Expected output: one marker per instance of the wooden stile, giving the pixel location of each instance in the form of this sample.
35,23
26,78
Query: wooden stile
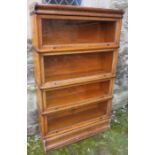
75,52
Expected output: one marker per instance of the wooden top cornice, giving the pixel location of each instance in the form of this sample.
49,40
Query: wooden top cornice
52,9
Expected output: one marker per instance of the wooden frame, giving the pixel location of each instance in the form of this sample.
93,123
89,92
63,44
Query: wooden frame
72,47
75,76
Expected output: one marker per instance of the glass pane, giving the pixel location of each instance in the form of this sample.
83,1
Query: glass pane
75,95
63,67
56,32
69,120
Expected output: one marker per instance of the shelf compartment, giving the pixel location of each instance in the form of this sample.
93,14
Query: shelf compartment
59,32
96,121
69,119
76,104
56,140
74,95
63,67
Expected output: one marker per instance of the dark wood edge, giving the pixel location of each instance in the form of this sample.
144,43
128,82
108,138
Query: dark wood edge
35,7
77,81
56,52
77,52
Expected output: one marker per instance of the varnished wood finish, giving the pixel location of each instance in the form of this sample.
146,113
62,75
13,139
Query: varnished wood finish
75,52
65,66
74,10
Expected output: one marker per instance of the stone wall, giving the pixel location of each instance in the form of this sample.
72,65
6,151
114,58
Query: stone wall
121,83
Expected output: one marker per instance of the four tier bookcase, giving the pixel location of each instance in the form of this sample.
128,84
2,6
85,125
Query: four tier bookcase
75,52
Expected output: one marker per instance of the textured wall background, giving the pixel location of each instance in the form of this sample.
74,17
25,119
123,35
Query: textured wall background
121,84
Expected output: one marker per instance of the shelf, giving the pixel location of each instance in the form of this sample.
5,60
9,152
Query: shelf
75,95
56,141
75,105
58,84
75,48
74,66
57,123
96,121
62,67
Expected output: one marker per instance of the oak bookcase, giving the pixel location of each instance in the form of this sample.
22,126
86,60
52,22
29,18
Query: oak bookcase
75,52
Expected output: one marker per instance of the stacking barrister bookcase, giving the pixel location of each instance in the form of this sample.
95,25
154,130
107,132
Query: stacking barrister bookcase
75,53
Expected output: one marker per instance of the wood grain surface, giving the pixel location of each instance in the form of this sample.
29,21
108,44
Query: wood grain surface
75,52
